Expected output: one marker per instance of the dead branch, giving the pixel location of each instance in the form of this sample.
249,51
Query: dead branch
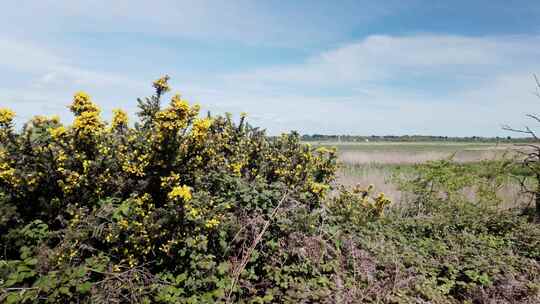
249,252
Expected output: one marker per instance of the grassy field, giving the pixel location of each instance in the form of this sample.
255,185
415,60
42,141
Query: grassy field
416,152
376,162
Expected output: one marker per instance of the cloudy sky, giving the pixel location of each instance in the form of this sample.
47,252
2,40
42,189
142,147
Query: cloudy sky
358,67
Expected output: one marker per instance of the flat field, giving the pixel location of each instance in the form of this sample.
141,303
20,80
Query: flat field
417,152
377,162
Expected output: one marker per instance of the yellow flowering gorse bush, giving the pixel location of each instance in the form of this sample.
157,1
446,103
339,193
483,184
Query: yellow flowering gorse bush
166,195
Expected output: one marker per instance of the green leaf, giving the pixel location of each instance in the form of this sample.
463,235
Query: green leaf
223,267
32,261
64,290
12,298
84,287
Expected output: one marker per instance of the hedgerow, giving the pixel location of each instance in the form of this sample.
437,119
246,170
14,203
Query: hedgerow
162,210
180,207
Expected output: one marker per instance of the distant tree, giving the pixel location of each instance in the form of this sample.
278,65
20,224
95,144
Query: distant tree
531,156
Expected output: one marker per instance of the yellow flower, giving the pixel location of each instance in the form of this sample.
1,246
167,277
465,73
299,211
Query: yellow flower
200,128
55,119
161,85
176,116
6,116
212,223
318,188
179,104
86,165
169,180
236,168
120,119
193,212
57,132
88,124
123,223
183,192
165,248
8,174
82,103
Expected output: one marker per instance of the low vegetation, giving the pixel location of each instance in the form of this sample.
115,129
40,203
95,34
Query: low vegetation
179,208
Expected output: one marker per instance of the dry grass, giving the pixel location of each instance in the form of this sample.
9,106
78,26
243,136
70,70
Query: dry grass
409,157
369,174
364,164
380,177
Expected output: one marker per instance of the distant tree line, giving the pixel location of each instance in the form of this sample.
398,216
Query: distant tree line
414,138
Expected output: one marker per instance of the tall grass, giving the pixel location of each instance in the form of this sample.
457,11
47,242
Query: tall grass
374,163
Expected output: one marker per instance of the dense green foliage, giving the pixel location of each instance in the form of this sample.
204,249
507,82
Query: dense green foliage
182,209
162,211
443,184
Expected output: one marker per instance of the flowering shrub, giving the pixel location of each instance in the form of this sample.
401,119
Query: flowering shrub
357,206
159,211
182,208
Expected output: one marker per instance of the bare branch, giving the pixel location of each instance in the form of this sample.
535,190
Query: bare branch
537,93
526,131
251,248
533,117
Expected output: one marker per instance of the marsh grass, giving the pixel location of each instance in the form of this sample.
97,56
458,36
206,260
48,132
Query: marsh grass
377,163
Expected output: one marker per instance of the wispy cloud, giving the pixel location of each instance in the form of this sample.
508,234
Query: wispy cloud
42,82
340,78
436,84
387,58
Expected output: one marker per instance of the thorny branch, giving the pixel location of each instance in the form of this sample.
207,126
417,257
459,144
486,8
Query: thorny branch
249,252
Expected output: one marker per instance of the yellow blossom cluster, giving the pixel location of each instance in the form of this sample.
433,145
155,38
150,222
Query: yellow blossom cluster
318,188
376,203
57,132
200,128
237,168
325,150
87,123
71,181
136,228
6,116
135,163
82,103
177,115
119,120
172,179
380,202
180,192
7,173
166,248
161,85
212,223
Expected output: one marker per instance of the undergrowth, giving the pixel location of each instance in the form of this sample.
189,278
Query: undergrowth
179,208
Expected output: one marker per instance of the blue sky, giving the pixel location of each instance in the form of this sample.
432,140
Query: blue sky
458,68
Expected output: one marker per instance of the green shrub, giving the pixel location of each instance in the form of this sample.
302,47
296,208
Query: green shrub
161,211
177,208
440,184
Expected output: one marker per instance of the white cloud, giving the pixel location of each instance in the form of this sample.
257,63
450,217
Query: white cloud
429,84
382,58
41,81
